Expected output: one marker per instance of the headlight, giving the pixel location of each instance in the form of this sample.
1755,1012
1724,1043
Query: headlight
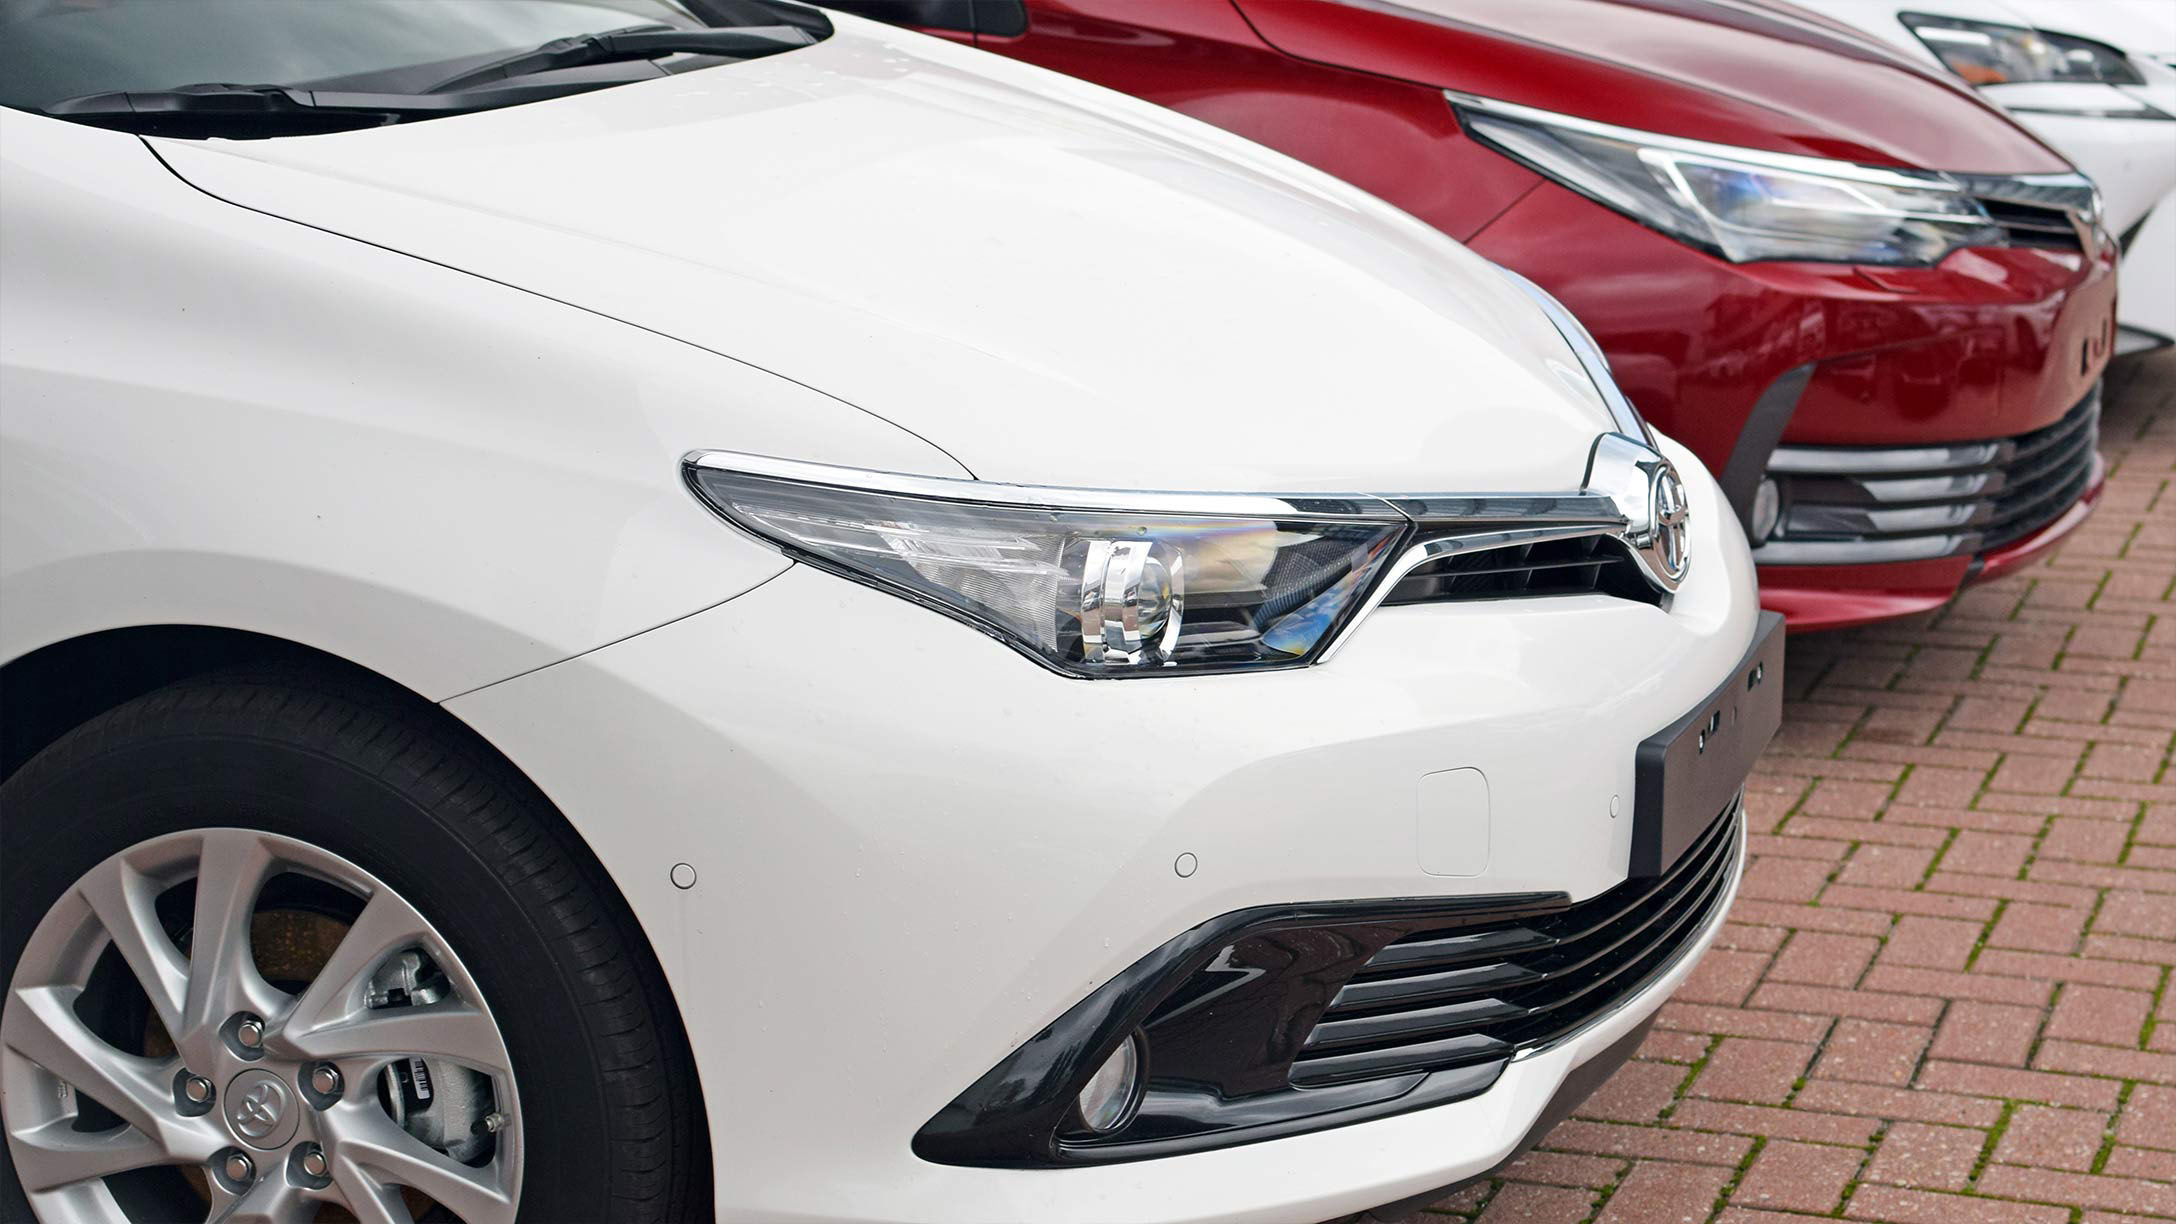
1742,204
1091,584
1986,53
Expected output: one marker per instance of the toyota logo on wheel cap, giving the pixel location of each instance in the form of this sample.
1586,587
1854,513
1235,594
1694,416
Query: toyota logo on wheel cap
261,1109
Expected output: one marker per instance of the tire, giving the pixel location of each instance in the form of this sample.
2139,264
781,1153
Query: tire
610,1124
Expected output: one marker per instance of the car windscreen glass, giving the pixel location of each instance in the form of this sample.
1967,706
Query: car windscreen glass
51,50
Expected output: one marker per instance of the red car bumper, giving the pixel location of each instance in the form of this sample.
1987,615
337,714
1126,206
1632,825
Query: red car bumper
1813,597
1922,428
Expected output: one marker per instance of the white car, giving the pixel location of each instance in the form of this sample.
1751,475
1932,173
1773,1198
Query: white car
801,621
2094,78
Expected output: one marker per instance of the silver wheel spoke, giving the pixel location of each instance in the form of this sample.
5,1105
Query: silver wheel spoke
122,899
223,978
386,925
57,1154
367,1200
270,1201
43,1027
370,1140
447,1029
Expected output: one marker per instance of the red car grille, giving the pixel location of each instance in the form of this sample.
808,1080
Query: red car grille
1853,505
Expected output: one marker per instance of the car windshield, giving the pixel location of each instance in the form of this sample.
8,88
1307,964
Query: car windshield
51,50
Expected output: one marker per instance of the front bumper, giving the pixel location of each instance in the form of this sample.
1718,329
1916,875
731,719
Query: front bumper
1736,360
1867,533
913,852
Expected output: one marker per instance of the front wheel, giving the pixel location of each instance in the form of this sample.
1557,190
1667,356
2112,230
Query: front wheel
271,951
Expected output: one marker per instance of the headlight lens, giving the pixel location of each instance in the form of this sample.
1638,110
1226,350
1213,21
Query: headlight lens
1087,591
1985,53
1742,204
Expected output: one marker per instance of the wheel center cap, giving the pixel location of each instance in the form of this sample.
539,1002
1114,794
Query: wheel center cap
261,1109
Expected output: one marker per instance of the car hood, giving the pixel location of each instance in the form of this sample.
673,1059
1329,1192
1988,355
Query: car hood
1053,283
1742,72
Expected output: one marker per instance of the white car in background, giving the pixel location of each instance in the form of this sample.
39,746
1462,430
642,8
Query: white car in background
765,614
2094,78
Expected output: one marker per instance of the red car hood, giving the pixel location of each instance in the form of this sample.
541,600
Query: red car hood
1740,72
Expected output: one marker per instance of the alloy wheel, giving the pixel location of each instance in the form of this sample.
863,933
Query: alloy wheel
269,1022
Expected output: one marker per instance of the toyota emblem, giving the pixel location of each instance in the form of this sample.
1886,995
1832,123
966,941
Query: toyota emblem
1667,511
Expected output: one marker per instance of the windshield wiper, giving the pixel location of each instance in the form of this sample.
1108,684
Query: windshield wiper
214,109
632,43
220,109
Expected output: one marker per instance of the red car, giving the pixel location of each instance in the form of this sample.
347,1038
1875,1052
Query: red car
1874,306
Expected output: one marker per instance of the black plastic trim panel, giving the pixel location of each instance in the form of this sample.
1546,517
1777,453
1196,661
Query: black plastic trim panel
1274,1021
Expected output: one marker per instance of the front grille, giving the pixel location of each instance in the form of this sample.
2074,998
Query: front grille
1584,565
1482,991
2030,225
2051,211
1850,504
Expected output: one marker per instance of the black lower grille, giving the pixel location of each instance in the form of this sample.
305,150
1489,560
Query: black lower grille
1855,504
1482,991
1280,1020
1593,564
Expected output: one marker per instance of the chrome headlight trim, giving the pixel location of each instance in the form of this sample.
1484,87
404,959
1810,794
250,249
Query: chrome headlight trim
1341,507
1631,493
1878,176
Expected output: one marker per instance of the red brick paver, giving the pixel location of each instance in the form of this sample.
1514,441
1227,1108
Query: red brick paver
1944,995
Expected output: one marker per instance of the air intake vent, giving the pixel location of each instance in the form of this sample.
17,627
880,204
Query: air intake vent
2029,225
1480,991
2050,211
1593,564
1857,505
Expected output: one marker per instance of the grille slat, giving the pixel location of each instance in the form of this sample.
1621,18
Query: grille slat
1453,949
1405,1029
1859,504
1422,1022
1577,566
2045,211
1420,1056
1429,987
1434,999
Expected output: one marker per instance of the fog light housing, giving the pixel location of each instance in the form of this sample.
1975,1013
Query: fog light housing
1767,510
1107,1102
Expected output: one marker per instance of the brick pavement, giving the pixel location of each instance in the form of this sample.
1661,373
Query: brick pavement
1943,996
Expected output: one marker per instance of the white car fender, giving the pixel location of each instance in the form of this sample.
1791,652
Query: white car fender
520,509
